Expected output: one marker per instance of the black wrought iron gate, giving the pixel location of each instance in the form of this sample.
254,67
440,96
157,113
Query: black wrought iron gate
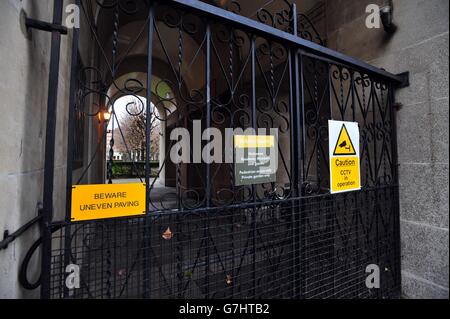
202,236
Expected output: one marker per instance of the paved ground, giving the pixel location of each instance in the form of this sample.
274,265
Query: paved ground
161,197
136,180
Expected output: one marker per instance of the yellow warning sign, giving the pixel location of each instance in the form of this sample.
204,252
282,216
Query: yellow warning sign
345,174
344,157
254,141
344,145
107,201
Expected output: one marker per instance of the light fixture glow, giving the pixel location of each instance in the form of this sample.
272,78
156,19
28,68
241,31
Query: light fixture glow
106,116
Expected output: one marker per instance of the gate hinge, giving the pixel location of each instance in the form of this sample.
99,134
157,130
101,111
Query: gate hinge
4,243
397,106
10,237
404,80
44,26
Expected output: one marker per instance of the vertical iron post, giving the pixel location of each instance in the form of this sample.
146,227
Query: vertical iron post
70,145
254,125
296,108
49,166
297,155
396,191
147,232
208,165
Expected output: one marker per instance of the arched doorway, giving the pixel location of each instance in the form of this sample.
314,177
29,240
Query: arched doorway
127,140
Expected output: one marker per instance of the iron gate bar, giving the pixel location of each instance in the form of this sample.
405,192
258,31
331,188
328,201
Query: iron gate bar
256,27
44,26
147,274
8,238
254,125
208,164
395,167
296,152
70,142
49,165
301,144
243,205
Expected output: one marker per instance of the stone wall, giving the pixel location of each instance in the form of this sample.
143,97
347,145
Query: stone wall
24,67
420,46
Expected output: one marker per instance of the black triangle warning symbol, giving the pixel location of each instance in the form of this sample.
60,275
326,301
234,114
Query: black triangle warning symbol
344,145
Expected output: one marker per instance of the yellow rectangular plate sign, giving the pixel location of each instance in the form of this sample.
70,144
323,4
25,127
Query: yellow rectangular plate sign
345,174
255,159
344,157
254,141
107,201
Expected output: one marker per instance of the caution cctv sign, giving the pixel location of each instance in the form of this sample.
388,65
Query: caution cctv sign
344,157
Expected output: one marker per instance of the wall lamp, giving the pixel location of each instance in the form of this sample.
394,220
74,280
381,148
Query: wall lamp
387,17
104,116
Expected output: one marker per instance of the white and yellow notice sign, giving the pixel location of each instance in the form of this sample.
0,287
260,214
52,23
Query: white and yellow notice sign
107,201
344,157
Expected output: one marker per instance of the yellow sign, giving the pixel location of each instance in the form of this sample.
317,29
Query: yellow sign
345,174
344,145
254,141
107,201
344,157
